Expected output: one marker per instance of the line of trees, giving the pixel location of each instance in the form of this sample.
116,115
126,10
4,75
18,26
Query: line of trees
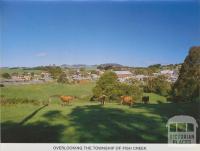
186,88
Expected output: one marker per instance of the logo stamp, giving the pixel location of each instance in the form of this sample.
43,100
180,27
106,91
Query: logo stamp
182,130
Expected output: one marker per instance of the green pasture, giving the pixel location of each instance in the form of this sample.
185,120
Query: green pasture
41,92
84,121
18,70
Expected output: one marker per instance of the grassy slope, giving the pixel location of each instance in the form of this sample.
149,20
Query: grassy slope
85,121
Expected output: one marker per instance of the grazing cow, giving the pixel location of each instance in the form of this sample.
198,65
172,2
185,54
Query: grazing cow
102,99
127,100
66,99
93,98
145,99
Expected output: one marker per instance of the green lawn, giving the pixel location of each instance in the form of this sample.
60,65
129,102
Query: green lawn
85,121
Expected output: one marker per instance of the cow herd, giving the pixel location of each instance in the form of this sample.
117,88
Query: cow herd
125,100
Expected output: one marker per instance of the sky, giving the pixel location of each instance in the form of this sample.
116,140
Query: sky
128,32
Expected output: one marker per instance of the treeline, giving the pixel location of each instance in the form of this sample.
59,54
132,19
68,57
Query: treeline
155,68
186,88
109,85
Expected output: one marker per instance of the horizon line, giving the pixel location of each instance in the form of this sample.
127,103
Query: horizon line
88,65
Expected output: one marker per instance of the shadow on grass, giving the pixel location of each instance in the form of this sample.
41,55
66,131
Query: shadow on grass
97,124
31,115
37,132
168,110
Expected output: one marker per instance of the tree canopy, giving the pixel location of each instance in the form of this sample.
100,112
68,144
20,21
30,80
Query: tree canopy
187,87
109,85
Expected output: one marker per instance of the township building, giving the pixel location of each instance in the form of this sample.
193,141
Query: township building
123,75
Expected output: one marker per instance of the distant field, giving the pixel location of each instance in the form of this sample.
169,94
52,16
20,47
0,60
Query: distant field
85,121
18,70
43,91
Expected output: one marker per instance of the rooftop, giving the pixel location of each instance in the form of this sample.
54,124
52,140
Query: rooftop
122,72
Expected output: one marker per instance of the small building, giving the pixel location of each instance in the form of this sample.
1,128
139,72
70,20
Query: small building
140,77
167,72
94,76
123,75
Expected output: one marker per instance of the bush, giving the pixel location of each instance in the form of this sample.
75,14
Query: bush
2,85
4,100
63,78
6,75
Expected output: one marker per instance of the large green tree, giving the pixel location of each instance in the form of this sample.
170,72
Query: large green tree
187,87
109,85
158,85
106,85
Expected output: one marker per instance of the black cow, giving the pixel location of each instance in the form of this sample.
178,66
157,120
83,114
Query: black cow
145,99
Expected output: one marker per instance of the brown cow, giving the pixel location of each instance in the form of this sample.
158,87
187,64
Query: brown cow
66,99
127,100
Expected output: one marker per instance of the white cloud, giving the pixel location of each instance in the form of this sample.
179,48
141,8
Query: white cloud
41,54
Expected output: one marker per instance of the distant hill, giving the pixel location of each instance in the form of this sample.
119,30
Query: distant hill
109,66
78,66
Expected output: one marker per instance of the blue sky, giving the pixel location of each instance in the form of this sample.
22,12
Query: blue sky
134,33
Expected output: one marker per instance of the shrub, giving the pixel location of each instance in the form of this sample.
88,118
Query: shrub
6,75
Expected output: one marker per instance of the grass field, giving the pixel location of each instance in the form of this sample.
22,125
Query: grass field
42,92
85,121
18,70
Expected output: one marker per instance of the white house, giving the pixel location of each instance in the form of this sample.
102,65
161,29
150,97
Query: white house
167,72
123,75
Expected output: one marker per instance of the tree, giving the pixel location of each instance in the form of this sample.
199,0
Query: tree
154,68
32,74
187,86
106,85
6,75
63,78
132,89
158,85
55,71
109,85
